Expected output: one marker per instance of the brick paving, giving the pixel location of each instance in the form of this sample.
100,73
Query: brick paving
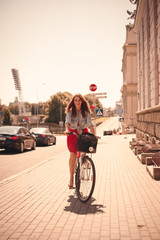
37,203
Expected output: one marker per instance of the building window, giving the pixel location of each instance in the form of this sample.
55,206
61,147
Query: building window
148,56
139,70
143,65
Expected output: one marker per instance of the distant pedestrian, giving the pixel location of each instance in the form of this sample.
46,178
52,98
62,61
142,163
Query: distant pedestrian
78,120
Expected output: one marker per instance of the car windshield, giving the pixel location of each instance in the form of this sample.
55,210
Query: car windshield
8,130
37,130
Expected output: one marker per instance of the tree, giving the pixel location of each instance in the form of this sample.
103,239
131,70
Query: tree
56,107
14,109
34,109
96,103
42,108
6,116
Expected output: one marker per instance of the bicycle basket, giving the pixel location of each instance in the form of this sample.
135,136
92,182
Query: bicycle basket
87,143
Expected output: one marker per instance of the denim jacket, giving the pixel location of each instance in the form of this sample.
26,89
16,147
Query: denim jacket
79,122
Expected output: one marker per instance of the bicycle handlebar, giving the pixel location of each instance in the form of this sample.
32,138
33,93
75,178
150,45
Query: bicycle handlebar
73,133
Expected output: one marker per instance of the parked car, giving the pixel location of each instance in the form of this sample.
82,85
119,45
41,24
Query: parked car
43,136
107,132
16,137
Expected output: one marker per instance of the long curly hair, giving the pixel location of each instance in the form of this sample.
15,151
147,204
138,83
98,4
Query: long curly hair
84,107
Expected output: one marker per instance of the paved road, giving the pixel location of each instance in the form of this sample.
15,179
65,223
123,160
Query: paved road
111,123
14,163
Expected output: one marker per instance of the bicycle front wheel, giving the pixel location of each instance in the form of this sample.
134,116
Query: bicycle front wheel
85,179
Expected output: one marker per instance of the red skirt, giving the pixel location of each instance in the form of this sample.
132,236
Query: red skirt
72,139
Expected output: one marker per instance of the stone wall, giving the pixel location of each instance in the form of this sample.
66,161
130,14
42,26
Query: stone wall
148,121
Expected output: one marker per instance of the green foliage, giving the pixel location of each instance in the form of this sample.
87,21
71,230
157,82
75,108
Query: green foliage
27,106
6,116
14,108
34,109
56,107
42,106
96,103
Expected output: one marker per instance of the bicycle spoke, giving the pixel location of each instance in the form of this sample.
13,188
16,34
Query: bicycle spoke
85,180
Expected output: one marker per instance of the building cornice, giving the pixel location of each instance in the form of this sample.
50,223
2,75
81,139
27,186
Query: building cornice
148,110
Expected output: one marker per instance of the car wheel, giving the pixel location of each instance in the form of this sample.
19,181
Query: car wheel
48,142
54,143
21,147
34,146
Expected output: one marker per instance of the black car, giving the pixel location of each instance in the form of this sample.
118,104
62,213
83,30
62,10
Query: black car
43,136
16,137
107,132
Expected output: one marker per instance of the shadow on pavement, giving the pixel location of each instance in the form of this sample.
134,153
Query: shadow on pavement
78,207
13,152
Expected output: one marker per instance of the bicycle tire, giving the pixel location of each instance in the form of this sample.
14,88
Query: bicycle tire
86,182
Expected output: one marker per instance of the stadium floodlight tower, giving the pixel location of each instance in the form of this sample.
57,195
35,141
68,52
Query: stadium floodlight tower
17,83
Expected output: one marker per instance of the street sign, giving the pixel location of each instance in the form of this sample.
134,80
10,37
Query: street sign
98,95
93,87
99,112
101,96
118,111
93,94
121,119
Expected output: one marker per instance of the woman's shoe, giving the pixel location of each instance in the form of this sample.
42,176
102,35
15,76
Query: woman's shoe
70,186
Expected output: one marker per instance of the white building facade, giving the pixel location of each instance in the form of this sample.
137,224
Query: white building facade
129,70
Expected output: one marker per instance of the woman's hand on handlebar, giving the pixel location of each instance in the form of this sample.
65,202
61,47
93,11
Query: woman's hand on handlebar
67,127
69,133
66,132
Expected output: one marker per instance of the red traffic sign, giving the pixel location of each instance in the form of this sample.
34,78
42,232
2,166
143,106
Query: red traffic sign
93,87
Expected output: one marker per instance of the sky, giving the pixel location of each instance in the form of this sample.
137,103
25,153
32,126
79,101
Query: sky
62,46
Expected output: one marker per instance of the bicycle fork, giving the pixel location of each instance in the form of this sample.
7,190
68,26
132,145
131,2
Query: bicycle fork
84,168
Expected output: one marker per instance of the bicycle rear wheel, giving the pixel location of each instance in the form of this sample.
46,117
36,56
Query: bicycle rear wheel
85,179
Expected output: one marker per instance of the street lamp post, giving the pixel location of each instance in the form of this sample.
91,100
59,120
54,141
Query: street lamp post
37,99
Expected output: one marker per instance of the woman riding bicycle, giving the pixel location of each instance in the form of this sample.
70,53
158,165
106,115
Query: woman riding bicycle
78,120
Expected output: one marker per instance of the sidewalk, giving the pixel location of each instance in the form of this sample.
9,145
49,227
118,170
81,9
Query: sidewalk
37,204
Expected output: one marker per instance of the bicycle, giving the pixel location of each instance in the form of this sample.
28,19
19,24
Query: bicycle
85,173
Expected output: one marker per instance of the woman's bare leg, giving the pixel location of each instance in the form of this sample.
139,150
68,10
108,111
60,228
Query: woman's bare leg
72,165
